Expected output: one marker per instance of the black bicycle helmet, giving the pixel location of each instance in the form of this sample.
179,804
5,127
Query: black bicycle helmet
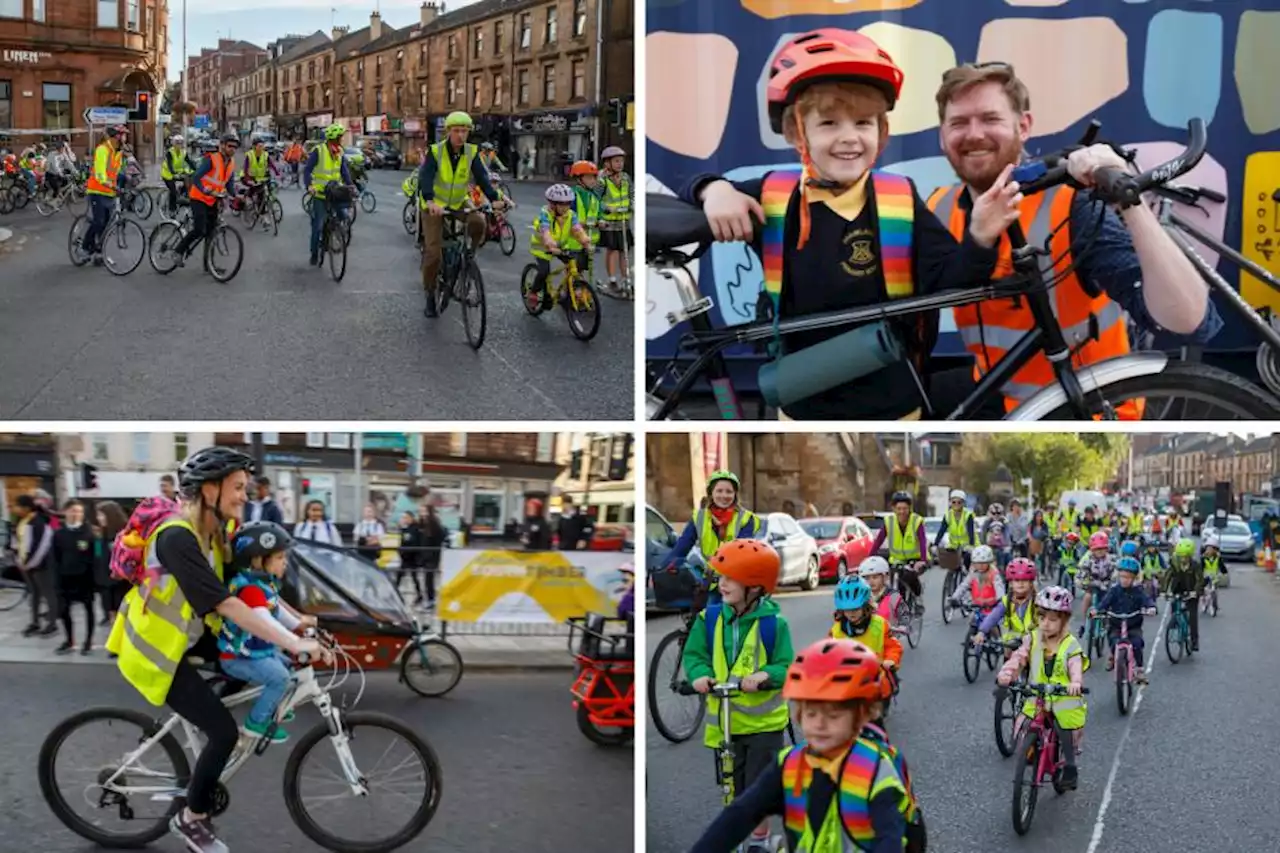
259,539
901,497
230,137
212,465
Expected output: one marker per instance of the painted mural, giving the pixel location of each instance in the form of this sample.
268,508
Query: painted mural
1142,67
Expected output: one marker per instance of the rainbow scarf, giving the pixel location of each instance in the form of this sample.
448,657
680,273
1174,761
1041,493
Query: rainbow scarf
856,776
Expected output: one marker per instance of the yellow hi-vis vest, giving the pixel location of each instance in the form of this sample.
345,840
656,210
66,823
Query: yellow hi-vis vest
749,713
588,209
708,541
872,638
1070,711
617,200
151,631
904,545
561,232
450,187
958,528
1136,522
256,166
175,164
328,168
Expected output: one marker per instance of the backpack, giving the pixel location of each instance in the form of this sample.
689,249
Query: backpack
768,629
995,535
129,551
917,836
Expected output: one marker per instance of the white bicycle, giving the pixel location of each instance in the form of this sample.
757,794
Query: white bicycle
131,771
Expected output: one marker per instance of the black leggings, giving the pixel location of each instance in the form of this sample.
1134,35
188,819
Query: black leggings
195,700
418,575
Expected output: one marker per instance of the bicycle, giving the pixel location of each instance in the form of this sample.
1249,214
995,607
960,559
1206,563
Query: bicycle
368,201
1008,704
429,654
137,788
1177,637
216,252
990,650
1172,390
1210,596
335,237
951,559
115,236
604,690
264,206
666,670
907,613
1094,632
460,276
502,232
13,589
70,192
1125,663
572,292
1040,755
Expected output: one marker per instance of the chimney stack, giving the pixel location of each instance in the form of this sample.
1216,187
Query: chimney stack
430,11
339,32
375,26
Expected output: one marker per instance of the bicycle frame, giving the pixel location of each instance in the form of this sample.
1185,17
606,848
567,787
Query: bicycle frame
568,274
1123,641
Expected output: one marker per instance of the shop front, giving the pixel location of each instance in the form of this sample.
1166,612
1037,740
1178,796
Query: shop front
329,476
545,144
316,123
22,471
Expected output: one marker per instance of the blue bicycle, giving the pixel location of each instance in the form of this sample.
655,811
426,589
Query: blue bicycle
1177,639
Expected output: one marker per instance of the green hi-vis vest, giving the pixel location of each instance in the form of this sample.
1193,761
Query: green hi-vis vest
904,544
588,210
1136,523
256,165
749,713
150,633
175,163
561,232
1070,711
958,529
617,200
328,168
708,541
450,189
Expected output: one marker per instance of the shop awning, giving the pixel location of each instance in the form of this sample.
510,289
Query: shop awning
117,83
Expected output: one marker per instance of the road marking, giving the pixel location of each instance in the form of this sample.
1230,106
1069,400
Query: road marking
1099,825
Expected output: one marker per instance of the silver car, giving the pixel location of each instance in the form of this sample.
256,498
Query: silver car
1235,541
798,550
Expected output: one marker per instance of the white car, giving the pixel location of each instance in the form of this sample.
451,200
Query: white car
798,550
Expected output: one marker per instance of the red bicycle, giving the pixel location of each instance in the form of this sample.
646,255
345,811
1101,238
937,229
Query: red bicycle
500,231
1040,755
604,689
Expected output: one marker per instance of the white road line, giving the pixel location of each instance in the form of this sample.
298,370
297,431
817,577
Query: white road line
1100,824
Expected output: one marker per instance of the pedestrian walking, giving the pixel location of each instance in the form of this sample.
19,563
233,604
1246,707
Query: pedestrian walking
1038,534
436,538
35,560
1017,527
317,527
73,557
368,534
569,526
109,520
411,555
264,507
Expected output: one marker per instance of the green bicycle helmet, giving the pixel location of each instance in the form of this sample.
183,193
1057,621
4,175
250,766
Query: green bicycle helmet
458,119
723,475
334,131
1184,548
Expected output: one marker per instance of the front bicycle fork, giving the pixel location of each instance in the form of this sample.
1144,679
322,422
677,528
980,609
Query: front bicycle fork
341,740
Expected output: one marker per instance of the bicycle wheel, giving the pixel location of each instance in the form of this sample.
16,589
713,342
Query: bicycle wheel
124,245
20,197
1124,687
269,215
1099,639
337,251
1184,391
1006,714
164,238
972,659
277,211
507,239
677,718
142,204
368,202
113,819
431,659
529,295
12,594
307,201
1026,788
362,727
948,590
74,238
584,320
48,203
607,736
6,200
409,218
251,214
224,253
1173,641
475,314
913,622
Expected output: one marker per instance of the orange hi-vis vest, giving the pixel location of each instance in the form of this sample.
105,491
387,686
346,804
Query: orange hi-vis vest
215,181
990,329
114,160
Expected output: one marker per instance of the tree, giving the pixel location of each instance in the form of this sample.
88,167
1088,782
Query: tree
1054,461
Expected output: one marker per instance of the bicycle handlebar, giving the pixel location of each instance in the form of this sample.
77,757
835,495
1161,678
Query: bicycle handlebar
723,689
1110,615
1050,689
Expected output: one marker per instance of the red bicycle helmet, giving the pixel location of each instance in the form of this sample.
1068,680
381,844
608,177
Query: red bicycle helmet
748,561
1020,569
828,54
834,671
1099,540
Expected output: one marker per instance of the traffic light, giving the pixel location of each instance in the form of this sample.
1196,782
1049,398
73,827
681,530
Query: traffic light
306,487
617,112
141,107
88,476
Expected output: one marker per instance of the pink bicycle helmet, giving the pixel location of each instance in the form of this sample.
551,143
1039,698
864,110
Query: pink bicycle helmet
1054,598
1020,569
1099,540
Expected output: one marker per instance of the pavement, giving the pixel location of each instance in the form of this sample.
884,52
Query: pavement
516,772
82,343
1190,768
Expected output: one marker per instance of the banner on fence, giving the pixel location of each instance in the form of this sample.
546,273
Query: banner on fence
528,586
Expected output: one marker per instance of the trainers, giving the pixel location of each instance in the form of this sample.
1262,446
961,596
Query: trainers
198,834
1142,677
64,649
31,630
49,630
429,310
252,728
1070,777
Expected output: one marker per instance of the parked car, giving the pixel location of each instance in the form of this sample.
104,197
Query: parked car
843,543
875,522
798,550
609,537
932,524
1236,540
659,538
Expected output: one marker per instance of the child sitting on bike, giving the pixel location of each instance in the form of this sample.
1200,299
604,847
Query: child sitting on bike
1098,567
555,229
1126,597
826,241
732,640
1014,613
260,555
1211,559
1152,566
1185,576
982,587
875,571
1069,558
846,787
856,619
1052,655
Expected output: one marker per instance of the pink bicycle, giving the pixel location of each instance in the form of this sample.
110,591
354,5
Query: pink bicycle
1039,755
1125,662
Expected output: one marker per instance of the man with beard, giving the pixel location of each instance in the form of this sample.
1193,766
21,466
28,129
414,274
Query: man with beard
1132,267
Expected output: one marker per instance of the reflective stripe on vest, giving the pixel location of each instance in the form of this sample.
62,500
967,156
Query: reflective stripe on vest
1015,624
749,713
958,529
450,187
561,231
904,545
214,181
1070,711
847,827
257,165
1136,523
617,200
708,541
992,328
328,169
174,161
109,163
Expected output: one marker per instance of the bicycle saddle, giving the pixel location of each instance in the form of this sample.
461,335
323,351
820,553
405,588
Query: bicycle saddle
670,222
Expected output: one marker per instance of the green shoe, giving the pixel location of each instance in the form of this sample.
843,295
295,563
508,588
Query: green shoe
288,717
278,736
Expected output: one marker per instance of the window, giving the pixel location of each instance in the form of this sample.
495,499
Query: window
6,103
526,30
131,21
340,440
181,446
451,93
57,106
452,52
327,93
497,90
108,14
399,60
377,68
523,90
548,84
549,35
284,101
477,46
497,38
11,9
360,70
422,96
326,66
315,439
422,56
457,444
142,448
311,97
399,98
377,101
546,446
579,78
475,92
102,447
579,18
311,70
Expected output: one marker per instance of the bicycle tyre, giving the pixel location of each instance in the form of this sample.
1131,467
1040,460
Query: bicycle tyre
433,643
6,200
46,771
47,203
420,819
507,238
1124,687
337,251
1006,701
667,730
409,218
162,241
1028,755
992,655
371,199
270,213
74,237
1237,397
307,201
1173,640
623,736
277,211
1099,639
527,277
222,276
949,589
20,197
974,655
250,216
116,232
474,310
142,204
581,288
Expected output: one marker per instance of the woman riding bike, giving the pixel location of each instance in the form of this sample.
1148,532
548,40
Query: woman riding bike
720,519
186,585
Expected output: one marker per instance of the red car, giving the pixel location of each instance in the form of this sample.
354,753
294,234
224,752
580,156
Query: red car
843,543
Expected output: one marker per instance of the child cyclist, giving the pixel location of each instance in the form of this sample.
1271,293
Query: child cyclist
1098,567
846,787
1068,559
856,619
587,206
1211,559
260,555
982,588
1152,565
1126,597
1015,613
735,644
1052,655
875,571
839,235
555,229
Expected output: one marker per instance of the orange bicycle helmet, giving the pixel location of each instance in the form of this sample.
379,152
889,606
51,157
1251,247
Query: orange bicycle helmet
828,54
583,167
834,671
750,562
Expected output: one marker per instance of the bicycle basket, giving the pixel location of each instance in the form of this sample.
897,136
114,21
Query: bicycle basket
949,560
335,193
676,590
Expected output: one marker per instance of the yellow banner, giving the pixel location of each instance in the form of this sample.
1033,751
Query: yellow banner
528,586
1260,222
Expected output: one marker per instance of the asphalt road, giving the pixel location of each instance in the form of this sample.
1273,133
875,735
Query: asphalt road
1192,768
282,341
517,774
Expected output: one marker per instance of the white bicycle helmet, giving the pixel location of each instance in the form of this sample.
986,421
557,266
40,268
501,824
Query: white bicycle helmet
995,509
982,554
559,194
957,495
1054,598
874,566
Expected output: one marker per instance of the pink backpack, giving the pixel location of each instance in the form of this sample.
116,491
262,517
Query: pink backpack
129,552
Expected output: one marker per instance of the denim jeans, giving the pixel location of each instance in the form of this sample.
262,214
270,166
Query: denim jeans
100,207
318,212
272,673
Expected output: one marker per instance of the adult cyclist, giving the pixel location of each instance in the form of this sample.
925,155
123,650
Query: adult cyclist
907,544
957,526
176,166
721,518
188,596
327,165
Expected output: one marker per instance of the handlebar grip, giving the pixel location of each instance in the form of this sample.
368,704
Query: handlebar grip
1116,185
684,688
